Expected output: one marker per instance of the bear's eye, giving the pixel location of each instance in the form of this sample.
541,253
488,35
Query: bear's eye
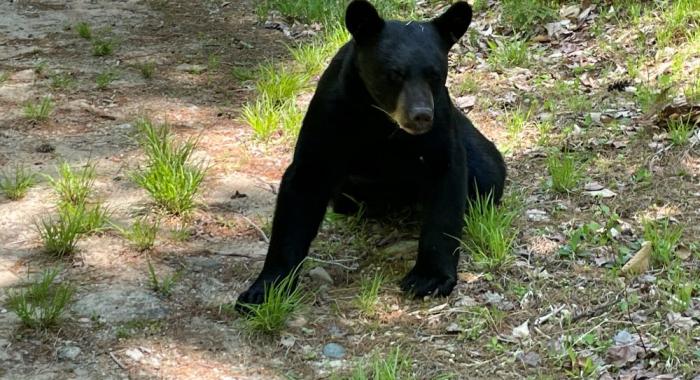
395,75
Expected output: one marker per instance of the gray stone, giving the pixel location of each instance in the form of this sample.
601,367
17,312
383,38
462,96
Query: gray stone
121,304
68,353
320,275
334,351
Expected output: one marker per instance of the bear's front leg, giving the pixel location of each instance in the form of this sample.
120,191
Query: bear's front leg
435,271
303,196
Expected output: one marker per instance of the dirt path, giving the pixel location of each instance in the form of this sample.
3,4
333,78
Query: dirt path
118,328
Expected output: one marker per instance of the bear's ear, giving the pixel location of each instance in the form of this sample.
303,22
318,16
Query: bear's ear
454,22
362,20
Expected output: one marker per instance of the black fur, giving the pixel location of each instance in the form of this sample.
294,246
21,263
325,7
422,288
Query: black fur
426,152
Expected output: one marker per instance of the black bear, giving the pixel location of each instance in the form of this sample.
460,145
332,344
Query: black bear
382,128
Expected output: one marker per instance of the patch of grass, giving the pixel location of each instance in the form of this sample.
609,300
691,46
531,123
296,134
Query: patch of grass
564,171
310,56
60,234
480,6
61,81
524,16
170,177
41,305
73,187
680,131
292,118
368,298
141,234
468,85
102,47
84,30
679,18
489,233
516,121
40,111
262,116
105,78
394,366
242,74
279,84
281,300
327,11
147,69
664,239
680,287
544,131
92,218
16,185
163,285
4,76
40,66
511,53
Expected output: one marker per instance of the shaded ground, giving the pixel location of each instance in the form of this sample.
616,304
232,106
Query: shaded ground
123,330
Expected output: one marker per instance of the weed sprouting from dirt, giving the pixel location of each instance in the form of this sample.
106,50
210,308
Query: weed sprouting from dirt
511,53
163,285
523,16
564,172
368,298
489,233
41,305
282,299
169,175
73,186
39,111
84,30
664,238
102,47
16,185
105,78
680,131
141,234
396,365
147,69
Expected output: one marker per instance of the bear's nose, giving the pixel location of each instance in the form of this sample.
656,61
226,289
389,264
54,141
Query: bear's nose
421,115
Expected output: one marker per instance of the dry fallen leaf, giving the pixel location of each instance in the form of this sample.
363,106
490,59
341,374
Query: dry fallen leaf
639,263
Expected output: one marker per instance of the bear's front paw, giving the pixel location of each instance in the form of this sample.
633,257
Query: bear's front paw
255,295
423,284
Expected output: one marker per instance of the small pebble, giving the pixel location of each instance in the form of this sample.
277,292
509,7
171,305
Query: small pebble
334,351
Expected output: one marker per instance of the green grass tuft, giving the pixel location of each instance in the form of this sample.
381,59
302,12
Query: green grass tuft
163,285
511,53
664,239
41,305
279,84
680,131
60,235
281,300
141,234
394,366
262,116
102,47
84,30
40,111
4,76
105,78
524,16
564,171
73,186
489,233
16,185
61,80
147,69
170,177
368,298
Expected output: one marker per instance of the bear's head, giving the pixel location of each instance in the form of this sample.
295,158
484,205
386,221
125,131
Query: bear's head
404,64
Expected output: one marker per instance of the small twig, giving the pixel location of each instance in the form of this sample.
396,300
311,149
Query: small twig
255,226
330,262
111,355
546,317
634,325
597,310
